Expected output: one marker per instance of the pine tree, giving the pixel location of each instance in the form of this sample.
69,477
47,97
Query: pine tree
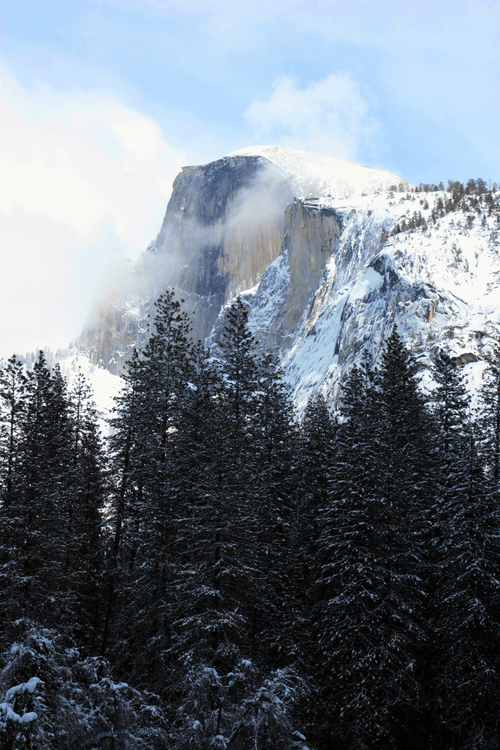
210,629
466,603
221,516
315,451
54,698
230,586
125,452
12,404
369,610
84,556
40,513
347,562
144,448
12,399
258,457
489,423
45,515
233,454
274,492
405,469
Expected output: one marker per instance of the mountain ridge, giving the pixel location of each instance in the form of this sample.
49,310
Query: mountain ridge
325,276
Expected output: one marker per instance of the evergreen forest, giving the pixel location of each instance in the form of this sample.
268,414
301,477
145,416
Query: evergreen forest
217,575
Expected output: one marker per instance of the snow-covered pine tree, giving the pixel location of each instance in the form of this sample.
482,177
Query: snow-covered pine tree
40,511
125,453
466,602
12,404
231,440
84,557
53,697
211,632
47,523
240,479
488,434
274,444
315,447
197,607
161,375
315,452
405,468
348,576
226,478
369,608
260,445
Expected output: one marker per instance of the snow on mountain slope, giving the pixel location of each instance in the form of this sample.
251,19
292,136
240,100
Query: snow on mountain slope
319,175
439,283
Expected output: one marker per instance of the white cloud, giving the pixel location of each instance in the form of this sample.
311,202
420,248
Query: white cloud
329,116
85,180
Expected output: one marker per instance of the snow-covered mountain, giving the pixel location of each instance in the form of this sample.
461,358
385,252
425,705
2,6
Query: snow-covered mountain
438,282
327,255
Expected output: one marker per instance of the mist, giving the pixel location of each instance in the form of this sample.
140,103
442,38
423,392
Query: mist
85,182
184,238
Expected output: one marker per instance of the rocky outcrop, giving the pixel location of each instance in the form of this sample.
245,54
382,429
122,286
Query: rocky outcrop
464,359
311,236
113,333
288,287
222,229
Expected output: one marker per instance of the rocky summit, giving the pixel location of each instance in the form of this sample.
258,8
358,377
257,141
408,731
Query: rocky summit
327,256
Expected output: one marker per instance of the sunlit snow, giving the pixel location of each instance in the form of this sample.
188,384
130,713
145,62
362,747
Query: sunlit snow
441,287
316,174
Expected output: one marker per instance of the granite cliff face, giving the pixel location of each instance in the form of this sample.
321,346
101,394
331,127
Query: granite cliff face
310,236
222,229
225,225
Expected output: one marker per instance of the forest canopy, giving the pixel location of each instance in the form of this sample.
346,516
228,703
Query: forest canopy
217,574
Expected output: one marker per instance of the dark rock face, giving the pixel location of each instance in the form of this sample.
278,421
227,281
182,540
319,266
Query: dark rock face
464,359
203,192
218,231
287,289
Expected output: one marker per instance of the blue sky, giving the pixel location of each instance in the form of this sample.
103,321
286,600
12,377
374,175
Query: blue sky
102,102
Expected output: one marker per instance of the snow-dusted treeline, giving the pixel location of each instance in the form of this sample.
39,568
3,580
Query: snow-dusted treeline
222,577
